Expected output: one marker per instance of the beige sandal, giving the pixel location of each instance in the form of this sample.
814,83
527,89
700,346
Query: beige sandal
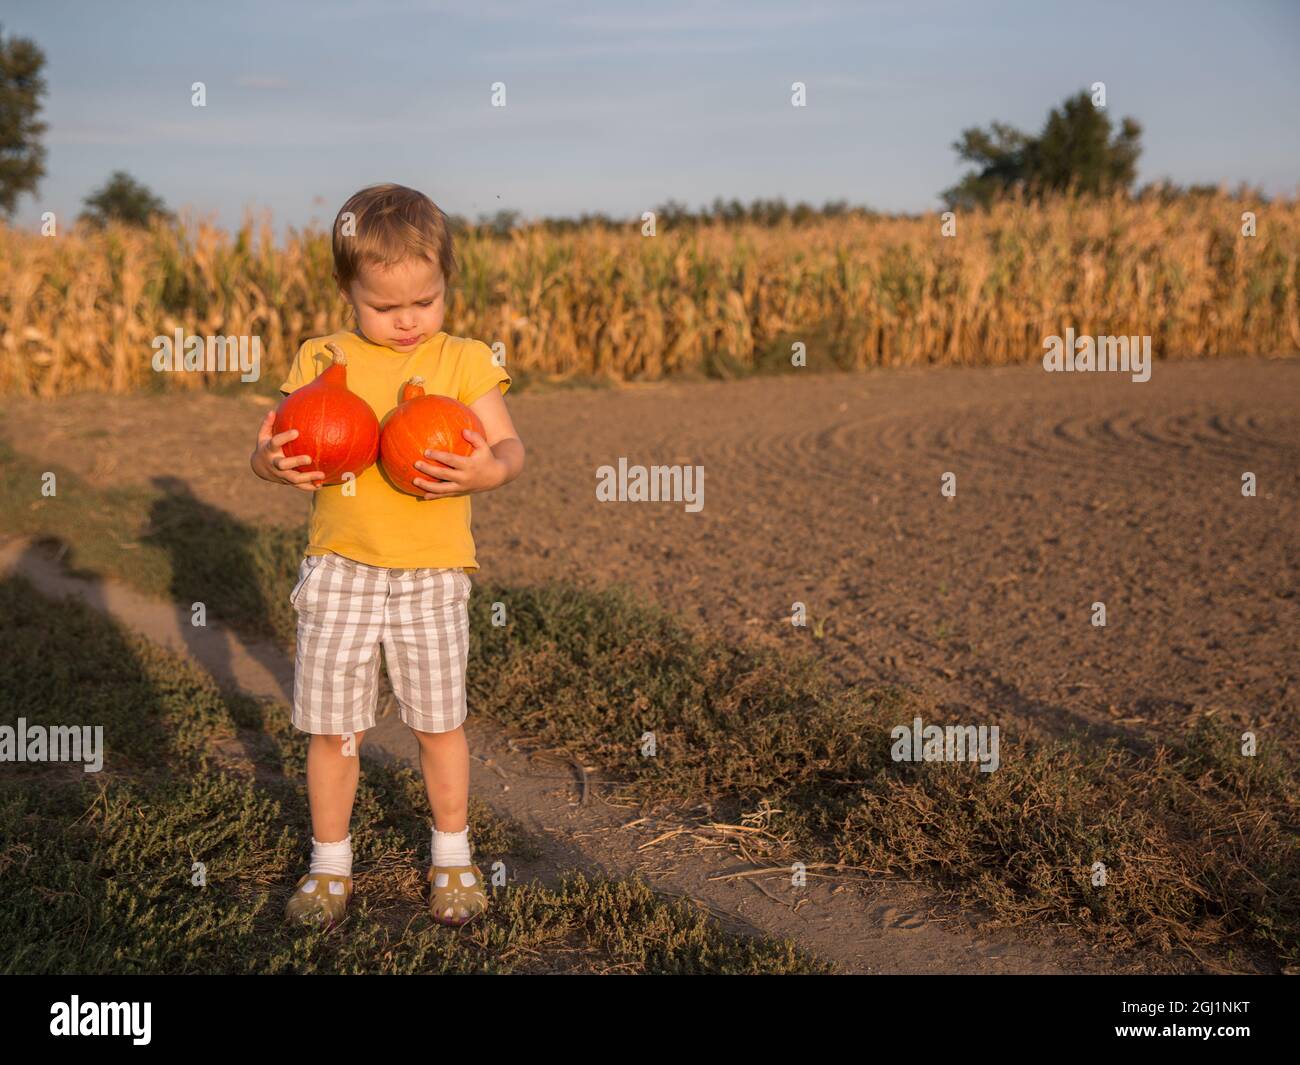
319,898
456,894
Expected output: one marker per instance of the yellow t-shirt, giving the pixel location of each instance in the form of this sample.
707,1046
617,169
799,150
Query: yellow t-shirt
379,525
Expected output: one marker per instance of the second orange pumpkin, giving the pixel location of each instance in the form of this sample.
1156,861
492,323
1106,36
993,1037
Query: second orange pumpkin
421,423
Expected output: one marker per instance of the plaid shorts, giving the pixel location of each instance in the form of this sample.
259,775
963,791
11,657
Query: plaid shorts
346,610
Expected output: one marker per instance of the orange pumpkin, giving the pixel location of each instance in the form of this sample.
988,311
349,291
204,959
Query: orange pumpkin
336,427
420,423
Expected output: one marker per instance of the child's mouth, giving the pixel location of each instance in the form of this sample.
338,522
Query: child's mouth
405,341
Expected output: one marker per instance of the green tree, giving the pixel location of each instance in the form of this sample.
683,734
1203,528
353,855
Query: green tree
1075,150
502,223
123,199
22,156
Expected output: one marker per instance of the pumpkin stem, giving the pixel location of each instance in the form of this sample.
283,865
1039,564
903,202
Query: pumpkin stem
337,352
413,389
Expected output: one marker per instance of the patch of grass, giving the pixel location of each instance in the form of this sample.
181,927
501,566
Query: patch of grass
1198,842
173,860
164,541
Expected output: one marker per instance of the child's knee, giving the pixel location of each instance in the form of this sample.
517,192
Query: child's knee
435,737
344,743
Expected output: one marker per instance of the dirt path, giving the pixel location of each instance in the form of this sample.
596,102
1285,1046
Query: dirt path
825,489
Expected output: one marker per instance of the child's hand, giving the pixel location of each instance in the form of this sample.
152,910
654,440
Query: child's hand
269,462
478,472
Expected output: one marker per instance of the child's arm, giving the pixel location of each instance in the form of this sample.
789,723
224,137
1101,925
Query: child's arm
498,456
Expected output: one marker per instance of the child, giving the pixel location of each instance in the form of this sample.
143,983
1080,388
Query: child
386,567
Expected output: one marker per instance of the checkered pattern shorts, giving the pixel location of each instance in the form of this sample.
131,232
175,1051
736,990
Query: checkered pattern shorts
346,610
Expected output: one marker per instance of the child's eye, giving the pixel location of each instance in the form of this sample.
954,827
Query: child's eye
426,303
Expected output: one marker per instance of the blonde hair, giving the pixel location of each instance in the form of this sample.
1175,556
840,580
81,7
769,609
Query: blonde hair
390,223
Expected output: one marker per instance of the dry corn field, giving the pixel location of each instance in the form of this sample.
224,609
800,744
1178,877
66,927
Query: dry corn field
79,311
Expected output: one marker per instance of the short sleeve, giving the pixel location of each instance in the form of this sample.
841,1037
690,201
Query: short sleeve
479,373
302,371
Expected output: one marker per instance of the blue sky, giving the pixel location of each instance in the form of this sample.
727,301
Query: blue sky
619,107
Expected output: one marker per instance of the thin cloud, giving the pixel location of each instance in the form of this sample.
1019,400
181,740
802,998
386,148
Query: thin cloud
694,19
261,81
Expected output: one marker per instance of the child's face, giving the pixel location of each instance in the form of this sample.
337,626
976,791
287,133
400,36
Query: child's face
399,306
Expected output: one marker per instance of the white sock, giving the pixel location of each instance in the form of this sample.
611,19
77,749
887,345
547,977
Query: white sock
333,858
451,848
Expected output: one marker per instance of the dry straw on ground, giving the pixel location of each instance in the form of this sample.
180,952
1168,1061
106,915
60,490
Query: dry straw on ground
79,311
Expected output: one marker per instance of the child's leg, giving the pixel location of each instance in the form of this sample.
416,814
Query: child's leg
426,645
340,607
456,892
333,770
444,761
